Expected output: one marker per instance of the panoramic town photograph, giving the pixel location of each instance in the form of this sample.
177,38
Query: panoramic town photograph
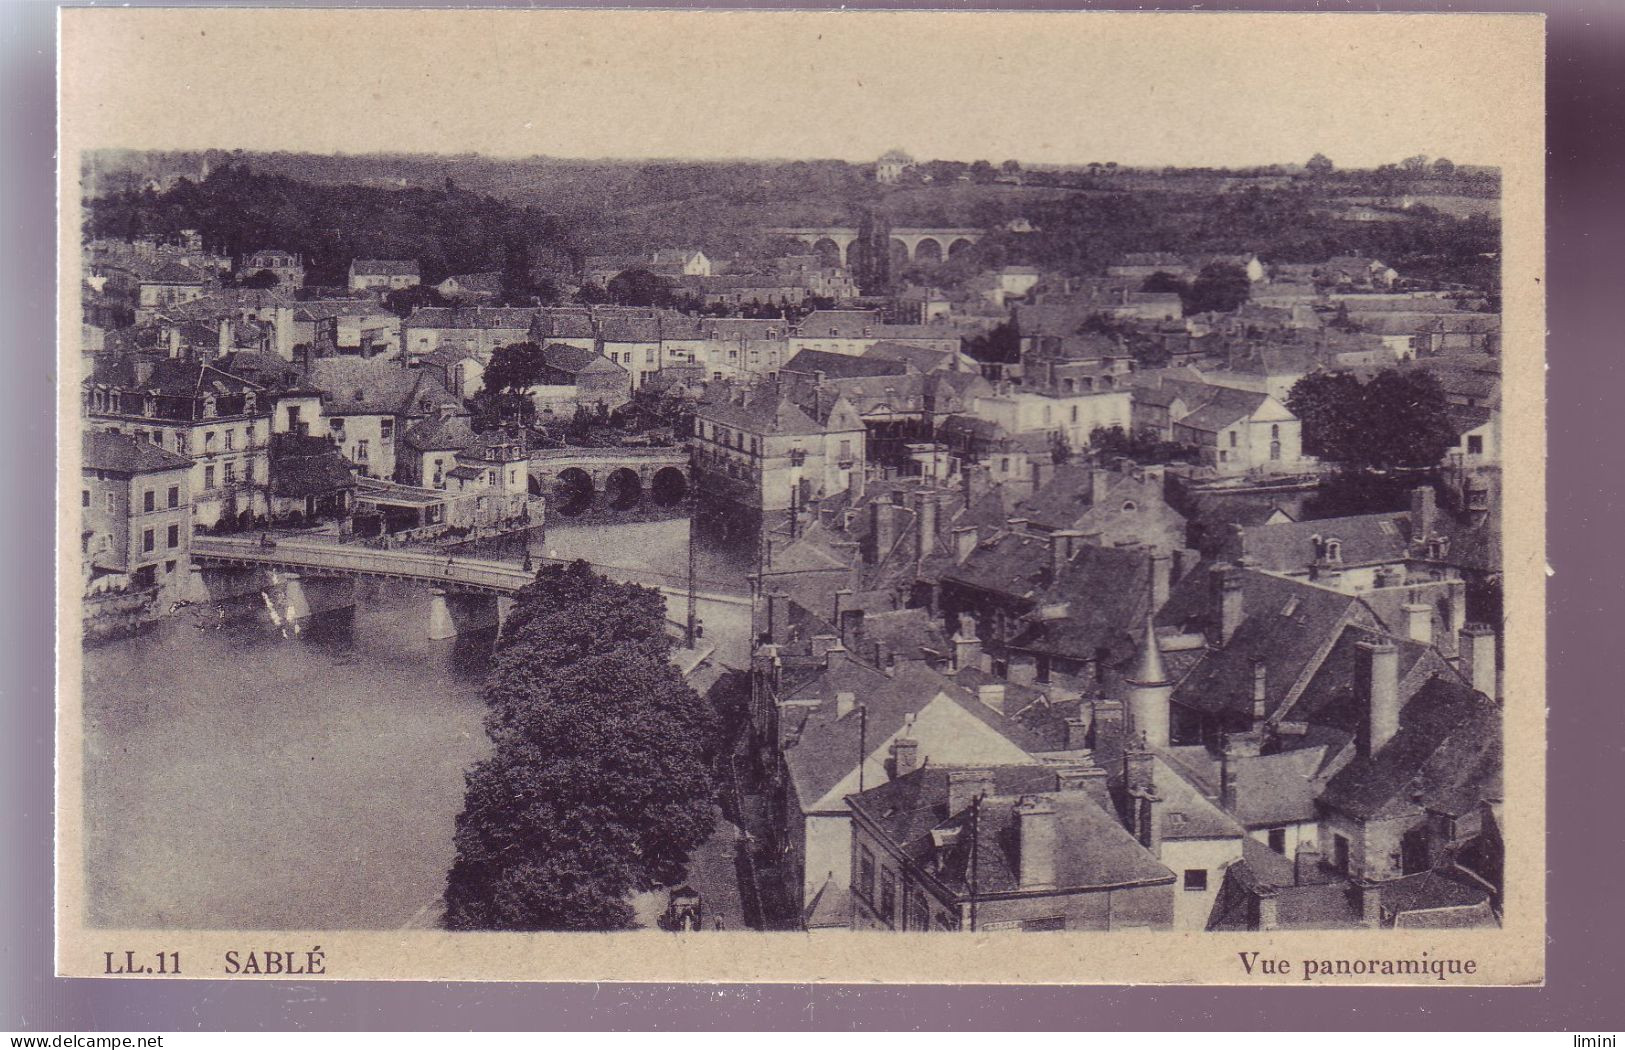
920,544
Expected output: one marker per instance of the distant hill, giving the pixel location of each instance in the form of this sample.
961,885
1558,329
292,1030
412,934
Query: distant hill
466,213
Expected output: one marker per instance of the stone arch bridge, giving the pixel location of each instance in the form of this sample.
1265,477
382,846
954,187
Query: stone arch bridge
917,243
576,480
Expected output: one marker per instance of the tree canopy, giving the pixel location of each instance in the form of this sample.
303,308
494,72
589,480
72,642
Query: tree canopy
515,368
1220,287
599,782
239,211
1398,419
639,288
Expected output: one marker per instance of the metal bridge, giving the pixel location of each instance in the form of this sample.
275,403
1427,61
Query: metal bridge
472,575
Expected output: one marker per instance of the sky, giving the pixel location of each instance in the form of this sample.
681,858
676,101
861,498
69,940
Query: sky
1060,88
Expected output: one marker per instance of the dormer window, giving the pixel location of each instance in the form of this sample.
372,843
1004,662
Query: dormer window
1129,507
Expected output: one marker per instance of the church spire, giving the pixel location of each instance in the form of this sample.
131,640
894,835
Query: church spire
1148,669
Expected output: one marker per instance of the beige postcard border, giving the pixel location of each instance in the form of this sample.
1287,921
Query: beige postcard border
113,90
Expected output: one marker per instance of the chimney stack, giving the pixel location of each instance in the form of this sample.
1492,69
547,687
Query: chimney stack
1100,480
1062,545
1424,512
1305,863
882,526
1370,899
1261,685
1377,681
1185,560
1268,911
1035,816
1228,601
834,654
965,785
1139,772
905,754
925,521
821,645
1161,578
1477,660
967,646
1419,621
964,542
1107,719
1078,777
1228,793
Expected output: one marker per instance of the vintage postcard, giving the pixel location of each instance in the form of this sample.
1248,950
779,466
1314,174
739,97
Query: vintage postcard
769,496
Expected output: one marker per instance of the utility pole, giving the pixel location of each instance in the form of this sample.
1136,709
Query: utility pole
863,742
693,600
975,850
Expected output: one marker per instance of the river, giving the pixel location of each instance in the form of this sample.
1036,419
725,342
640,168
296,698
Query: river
237,778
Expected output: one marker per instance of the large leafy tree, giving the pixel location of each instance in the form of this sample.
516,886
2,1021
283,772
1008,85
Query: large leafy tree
639,288
1220,287
515,368
600,778
1398,419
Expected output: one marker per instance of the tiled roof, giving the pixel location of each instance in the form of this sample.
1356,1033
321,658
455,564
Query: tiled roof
123,454
562,324
365,386
1153,259
762,412
1329,699
169,375
822,749
1063,502
631,330
921,358
575,359
907,633
1222,407
1463,419
1429,891
1365,539
477,317
1216,513
1446,757
436,434
1287,625
1105,592
385,267
1092,848
174,273
841,366
1187,813
488,281
1011,563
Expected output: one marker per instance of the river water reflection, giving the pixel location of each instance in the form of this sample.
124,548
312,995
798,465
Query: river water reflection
237,778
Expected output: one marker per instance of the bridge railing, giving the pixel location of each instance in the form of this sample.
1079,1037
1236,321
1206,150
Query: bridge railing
465,571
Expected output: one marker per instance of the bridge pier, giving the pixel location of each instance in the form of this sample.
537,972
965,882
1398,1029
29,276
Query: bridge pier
294,600
196,590
441,624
